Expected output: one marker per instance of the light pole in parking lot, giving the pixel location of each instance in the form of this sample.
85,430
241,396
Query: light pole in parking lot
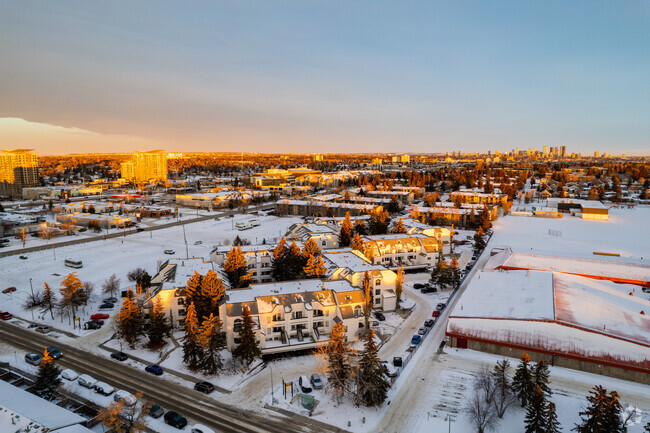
450,419
32,288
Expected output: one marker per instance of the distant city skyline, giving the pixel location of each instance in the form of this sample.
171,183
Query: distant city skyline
325,77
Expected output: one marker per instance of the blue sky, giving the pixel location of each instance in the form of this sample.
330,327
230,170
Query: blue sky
325,76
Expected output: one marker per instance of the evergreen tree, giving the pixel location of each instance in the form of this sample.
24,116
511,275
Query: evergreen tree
310,248
399,281
212,340
49,300
372,383
237,242
367,299
247,349
484,218
192,351
523,384
72,294
129,321
357,243
338,363
214,290
345,235
236,268
378,223
194,294
541,377
294,261
399,227
441,274
394,206
536,413
454,275
503,396
280,270
360,227
479,239
47,380
552,424
603,413
159,326
315,267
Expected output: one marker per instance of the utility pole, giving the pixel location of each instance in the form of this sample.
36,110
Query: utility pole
32,288
187,253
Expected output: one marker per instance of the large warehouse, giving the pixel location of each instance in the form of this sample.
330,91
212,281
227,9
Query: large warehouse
566,320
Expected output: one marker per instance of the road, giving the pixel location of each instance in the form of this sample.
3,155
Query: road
196,406
100,237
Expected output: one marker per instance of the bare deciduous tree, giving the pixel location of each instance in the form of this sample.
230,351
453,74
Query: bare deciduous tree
481,414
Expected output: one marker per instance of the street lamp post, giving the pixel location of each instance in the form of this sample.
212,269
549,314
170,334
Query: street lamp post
32,288
450,419
272,396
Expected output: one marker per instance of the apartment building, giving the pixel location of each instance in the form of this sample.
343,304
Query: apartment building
476,197
258,258
146,167
317,208
104,220
18,170
393,251
325,236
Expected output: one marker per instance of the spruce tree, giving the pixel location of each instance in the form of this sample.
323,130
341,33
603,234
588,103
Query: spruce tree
357,243
237,269
129,321
552,424
603,414
345,235
535,420
440,276
454,272
247,349
541,377
214,290
479,239
310,248
399,228
503,396
47,380
338,363
399,281
294,261
212,340
523,383
194,294
49,300
280,270
159,326
613,414
484,218
360,227
367,298
315,267
372,383
192,351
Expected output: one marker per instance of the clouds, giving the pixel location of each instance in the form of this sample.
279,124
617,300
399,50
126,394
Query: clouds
341,76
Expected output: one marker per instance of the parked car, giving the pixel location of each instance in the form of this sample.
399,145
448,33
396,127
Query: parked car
175,419
397,361
154,369
33,358
139,229
5,315
69,374
93,324
418,286
200,428
156,411
99,316
380,316
304,385
9,290
204,387
87,381
429,323
120,356
422,331
23,257
316,381
170,252
54,352
429,289
125,396
103,388
440,306
435,313
43,329
416,339
198,242
106,305
112,300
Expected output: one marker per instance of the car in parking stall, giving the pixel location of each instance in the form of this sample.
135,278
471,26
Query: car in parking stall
304,385
204,387
156,411
154,369
5,315
120,356
9,290
316,381
175,419
33,358
416,339
99,316
103,388
69,374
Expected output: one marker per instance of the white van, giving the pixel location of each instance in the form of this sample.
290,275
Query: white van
70,375
254,223
104,388
125,396
199,428
87,381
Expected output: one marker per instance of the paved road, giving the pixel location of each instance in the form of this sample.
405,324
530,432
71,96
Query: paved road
196,406
100,237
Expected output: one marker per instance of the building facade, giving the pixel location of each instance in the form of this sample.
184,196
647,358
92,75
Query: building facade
18,170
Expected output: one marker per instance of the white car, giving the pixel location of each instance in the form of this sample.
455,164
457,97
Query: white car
170,252
104,388
127,397
199,428
70,375
87,381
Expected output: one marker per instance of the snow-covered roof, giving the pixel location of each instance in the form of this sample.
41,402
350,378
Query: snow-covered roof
610,268
26,405
352,260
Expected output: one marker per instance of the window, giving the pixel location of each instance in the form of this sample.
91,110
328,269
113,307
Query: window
378,292
378,282
182,312
357,311
181,301
277,317
278,328
323,243
297,315
360,324
377,301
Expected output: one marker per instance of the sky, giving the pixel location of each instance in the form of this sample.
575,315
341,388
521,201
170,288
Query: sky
324,76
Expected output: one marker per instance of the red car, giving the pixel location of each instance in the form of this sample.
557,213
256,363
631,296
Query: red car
99,316
436,313
5,315
9,290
